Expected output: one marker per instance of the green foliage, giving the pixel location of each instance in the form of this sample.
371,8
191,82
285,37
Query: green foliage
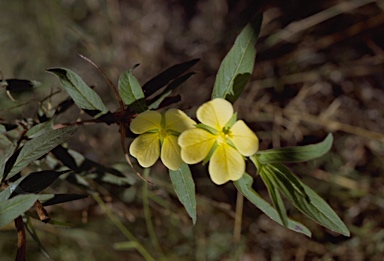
275,197
184,186
131,92
11,209
80,92
296,154
36,182
244,185
39,129
37,147
304,198
62,198
279,178
236,68
171,76
157,100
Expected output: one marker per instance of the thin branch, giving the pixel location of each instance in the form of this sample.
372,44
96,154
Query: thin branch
21,240
114,89
238,217
41,212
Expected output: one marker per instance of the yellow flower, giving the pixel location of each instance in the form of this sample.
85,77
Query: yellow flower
220,139
158,137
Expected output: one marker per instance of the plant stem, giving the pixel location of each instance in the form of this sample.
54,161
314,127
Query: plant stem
139,247
21,240
238,217
147,215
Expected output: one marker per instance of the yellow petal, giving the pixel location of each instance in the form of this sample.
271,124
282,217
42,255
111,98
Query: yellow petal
170,153
178,121
146,149
215,113
226,164
244,139
195,145
148,120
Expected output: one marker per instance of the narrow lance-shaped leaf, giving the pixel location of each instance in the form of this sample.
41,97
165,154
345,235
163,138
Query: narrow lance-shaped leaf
275,196
80,92
184,186
4,157
131,91
236,68
296,154
308,202
9,191
156,101
62,198
39,146
244,185
38,181
32,232
11,209
19,85
166,76
5,194
39,129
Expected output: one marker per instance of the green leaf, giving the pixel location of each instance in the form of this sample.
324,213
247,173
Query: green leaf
170,74
38,181
32,232
4,157
80,92
244,185
4,141
156,101
280,173
131,92
62,198
184,186
9,191
11,209
296,154
39,129
39,146
275,196
236,68
5,194
305,199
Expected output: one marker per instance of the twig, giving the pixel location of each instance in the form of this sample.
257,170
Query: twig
21,240
122,110
114,89
139,247
43,214
148,221
238,217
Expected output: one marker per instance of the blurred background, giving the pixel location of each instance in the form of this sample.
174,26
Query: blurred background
319,69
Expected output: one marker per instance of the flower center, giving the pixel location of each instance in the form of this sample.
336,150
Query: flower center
163,133
221,138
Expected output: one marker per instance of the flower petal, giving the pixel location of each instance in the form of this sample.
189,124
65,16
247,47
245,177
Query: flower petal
170,153
195,145
148,120
146,149
244,139
178,121
215,113
226,164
